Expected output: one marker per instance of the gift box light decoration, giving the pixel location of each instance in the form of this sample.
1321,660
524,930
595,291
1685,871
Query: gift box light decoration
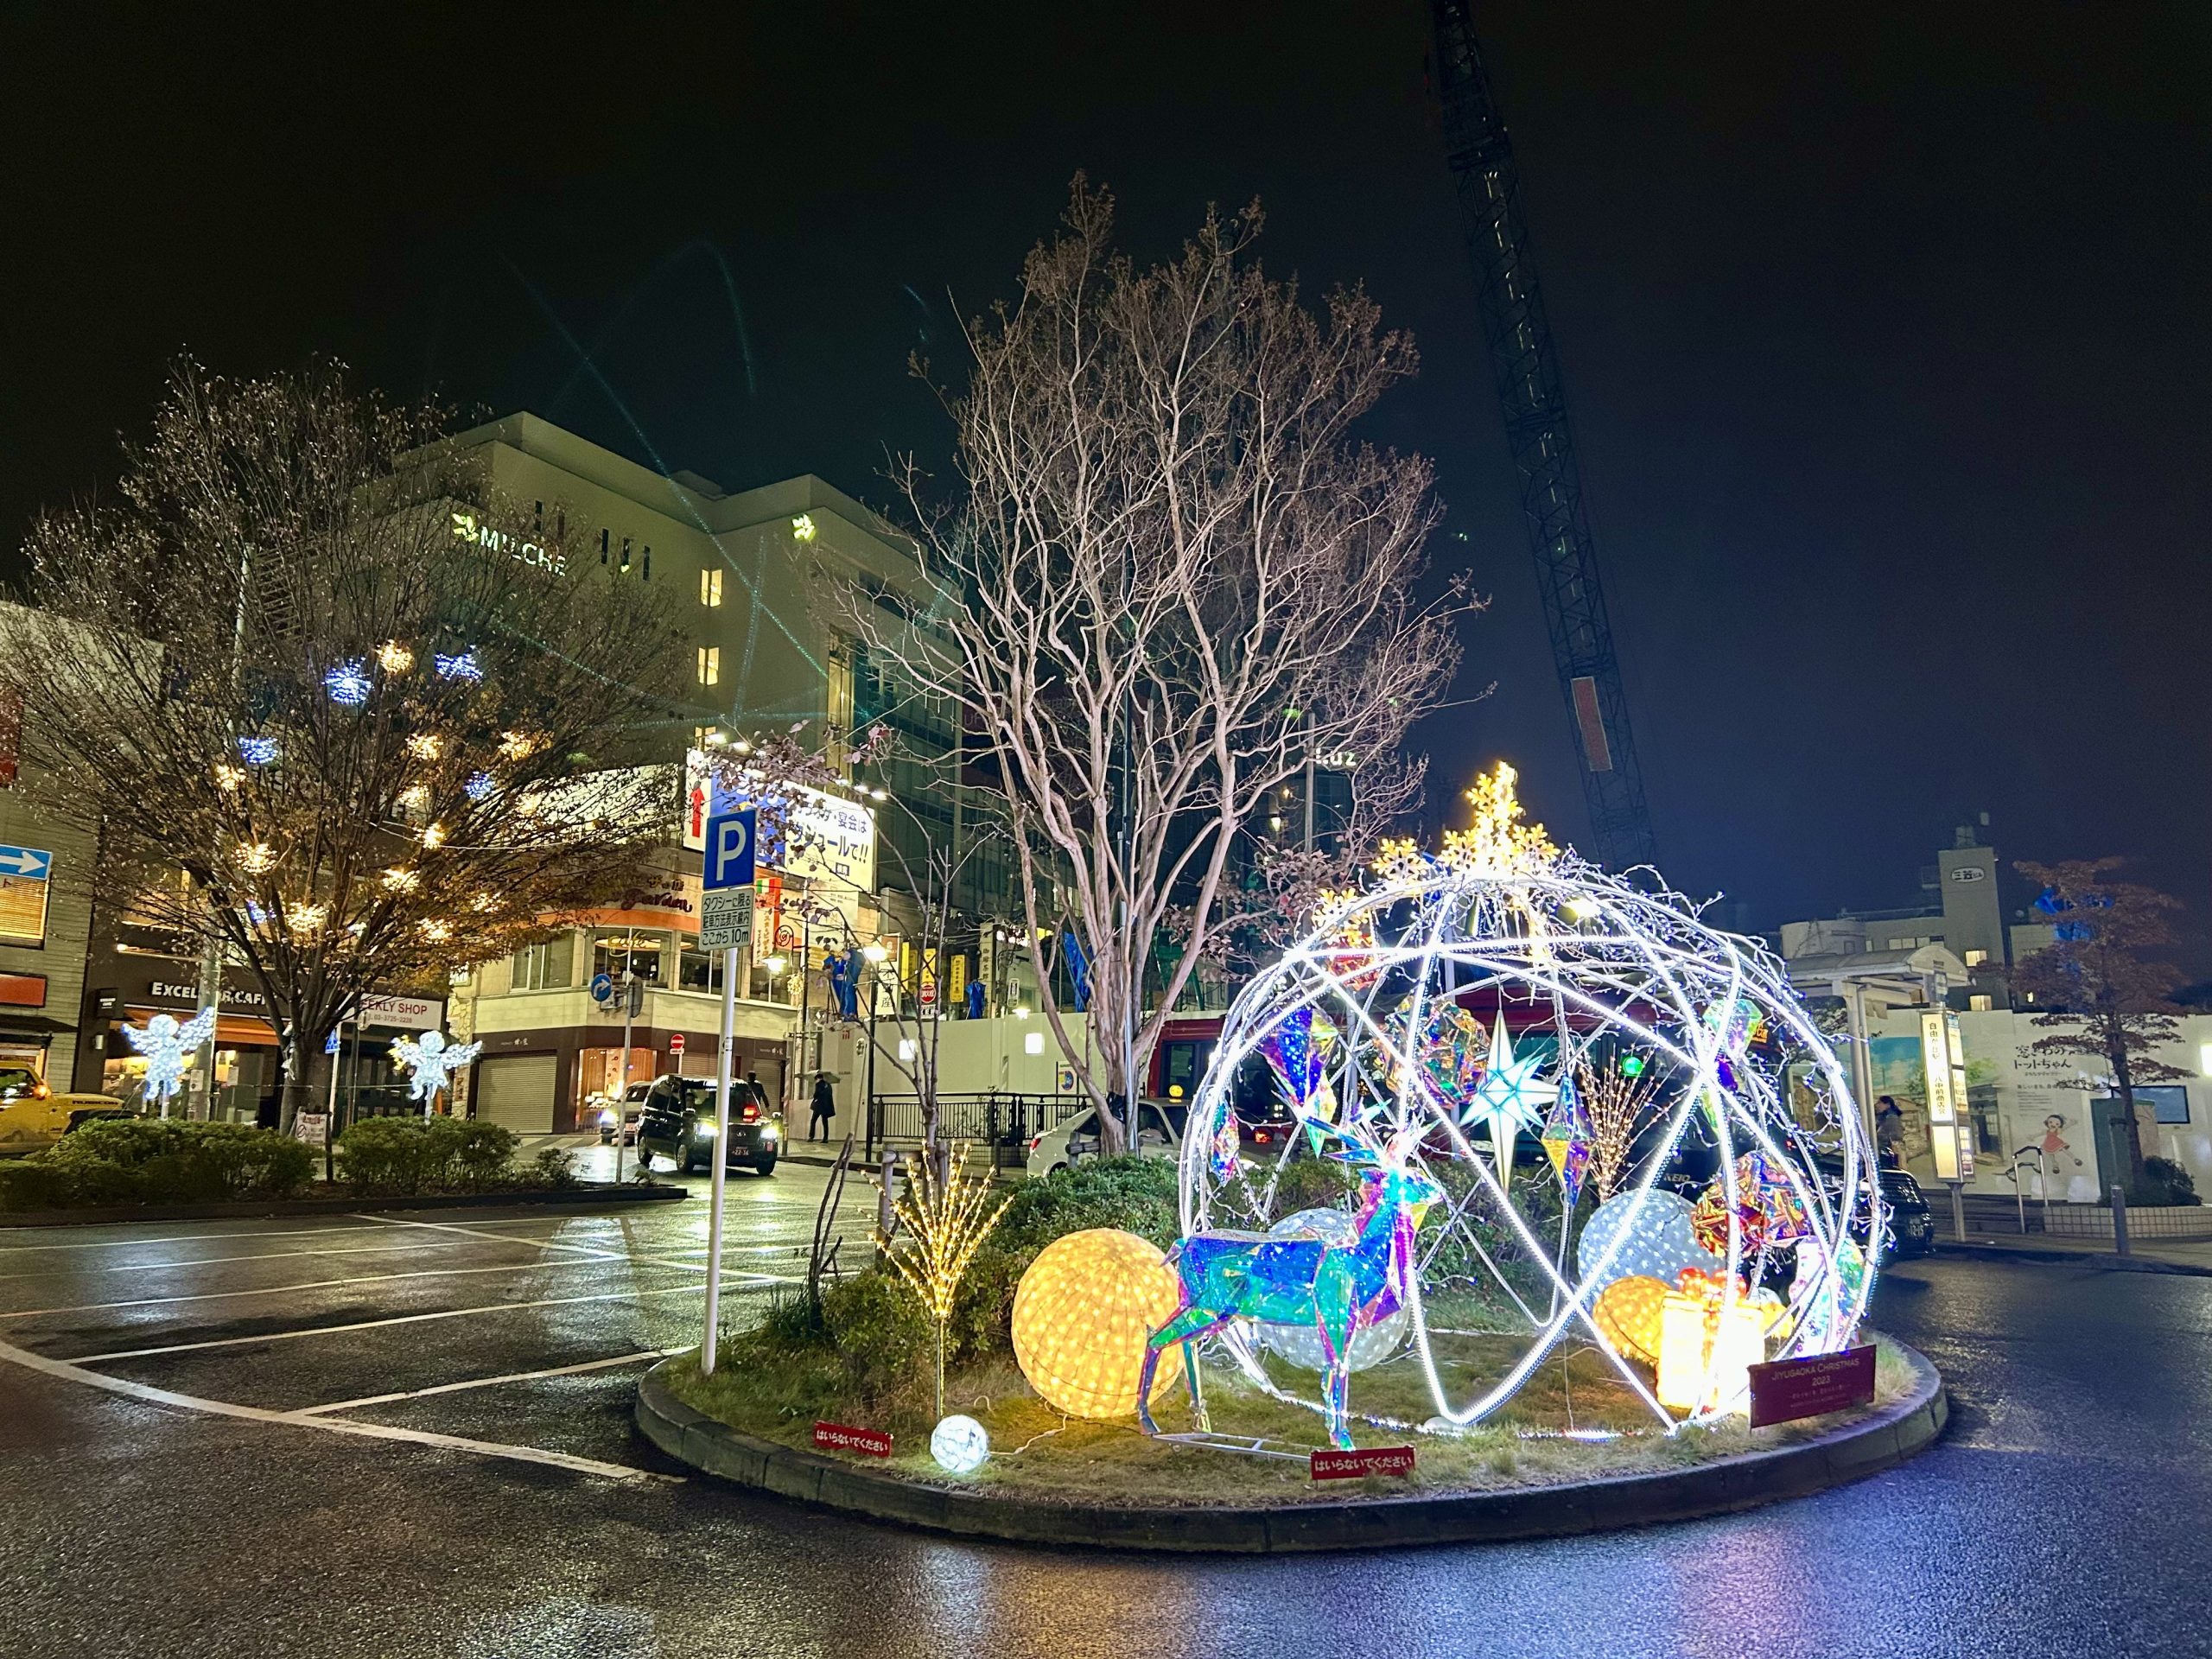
1082,1315
1468,993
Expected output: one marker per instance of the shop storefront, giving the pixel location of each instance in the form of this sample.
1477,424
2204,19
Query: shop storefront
246,1045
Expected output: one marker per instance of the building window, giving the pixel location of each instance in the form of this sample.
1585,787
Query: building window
1979,1004
602,547
547,967
639,953
710,665
647,572
1976,958
710,587
23,911
625,556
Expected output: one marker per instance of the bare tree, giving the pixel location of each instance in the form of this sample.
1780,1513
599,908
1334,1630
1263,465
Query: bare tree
1172,574
2095,985
336,712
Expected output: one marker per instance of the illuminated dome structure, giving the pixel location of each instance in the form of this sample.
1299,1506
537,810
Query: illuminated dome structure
1630,1104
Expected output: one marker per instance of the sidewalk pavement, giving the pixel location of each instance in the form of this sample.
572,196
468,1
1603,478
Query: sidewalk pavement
2191,1256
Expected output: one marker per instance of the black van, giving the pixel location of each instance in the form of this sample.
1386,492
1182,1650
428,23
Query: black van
678,1123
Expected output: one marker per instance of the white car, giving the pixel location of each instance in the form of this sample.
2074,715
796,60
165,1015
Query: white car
1160,1135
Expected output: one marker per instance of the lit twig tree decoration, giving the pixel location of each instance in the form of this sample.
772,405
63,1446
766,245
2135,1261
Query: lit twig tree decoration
1618,1105
948,1220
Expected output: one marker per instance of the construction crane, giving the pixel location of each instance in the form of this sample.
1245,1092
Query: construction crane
1534,403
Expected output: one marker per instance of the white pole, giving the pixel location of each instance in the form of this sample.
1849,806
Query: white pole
723,1064
622,1089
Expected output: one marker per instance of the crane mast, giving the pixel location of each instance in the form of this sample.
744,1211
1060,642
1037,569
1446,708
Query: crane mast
1527,372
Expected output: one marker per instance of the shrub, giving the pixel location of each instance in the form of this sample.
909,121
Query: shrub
1137,1195
554,1170
2166,1182
409,1155
155,1160
885,1343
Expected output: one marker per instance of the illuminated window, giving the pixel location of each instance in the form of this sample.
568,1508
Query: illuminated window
1976,958
1979,1005
625,555
22,909
710,665
710,587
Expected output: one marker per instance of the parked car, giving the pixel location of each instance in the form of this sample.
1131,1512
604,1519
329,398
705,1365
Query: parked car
633,1104
1160,1135
1912,1224
676,1122
32,1117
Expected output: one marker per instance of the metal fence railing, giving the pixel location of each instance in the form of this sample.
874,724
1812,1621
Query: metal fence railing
1003,1123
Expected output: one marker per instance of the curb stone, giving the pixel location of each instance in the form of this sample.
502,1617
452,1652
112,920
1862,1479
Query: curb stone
1833,1459
109,1214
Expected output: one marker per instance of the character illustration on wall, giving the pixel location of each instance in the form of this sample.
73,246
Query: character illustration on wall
2064,1176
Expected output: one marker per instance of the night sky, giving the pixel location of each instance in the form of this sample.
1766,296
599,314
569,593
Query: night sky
1885,327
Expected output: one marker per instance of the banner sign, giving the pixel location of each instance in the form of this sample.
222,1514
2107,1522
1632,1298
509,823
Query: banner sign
1784,1390
842,1437
1369,1461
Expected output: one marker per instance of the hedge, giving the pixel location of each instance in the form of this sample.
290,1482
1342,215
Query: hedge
157,1161
387,1155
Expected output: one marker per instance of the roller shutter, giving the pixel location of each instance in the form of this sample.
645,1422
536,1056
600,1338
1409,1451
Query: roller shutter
516,1090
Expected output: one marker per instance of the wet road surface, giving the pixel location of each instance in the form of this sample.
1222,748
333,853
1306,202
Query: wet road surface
410,1434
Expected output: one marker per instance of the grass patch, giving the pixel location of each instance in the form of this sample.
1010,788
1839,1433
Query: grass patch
772,1388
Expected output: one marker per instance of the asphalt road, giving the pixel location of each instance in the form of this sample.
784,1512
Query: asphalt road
410,1435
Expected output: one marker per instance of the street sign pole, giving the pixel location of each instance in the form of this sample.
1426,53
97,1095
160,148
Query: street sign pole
724,1066
725,921
622,1089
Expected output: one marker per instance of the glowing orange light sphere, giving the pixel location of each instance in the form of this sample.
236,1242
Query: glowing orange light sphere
1082,1315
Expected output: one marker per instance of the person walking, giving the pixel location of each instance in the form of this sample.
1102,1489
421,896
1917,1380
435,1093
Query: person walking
1888,1132
825,1108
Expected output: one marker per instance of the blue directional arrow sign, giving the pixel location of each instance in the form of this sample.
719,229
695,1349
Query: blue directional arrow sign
33,865
729,851
603,987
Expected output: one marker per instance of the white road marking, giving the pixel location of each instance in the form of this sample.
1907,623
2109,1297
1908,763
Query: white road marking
311,1284
423,1248
74,1372
10,1248
492,1382
415,1319
558,1245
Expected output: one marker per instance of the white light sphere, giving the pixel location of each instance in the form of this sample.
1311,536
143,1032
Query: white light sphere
1659,1242
959,1445
1300,1344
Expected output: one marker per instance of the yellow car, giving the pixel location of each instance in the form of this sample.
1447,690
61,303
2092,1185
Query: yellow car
32,1117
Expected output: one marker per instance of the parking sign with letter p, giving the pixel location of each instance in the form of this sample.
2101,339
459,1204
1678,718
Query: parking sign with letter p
729,851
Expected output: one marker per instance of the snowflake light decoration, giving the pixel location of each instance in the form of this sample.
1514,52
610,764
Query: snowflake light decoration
432,1063
348,684
459,665
169,1046
1574,973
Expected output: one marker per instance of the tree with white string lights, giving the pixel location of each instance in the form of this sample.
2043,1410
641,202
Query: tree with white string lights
330,722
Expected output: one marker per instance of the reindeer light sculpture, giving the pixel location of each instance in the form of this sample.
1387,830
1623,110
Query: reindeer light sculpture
1339,1289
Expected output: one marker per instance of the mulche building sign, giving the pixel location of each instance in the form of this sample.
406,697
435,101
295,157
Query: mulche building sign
465,528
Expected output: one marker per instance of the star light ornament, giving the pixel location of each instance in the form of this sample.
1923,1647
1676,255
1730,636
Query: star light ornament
1510,1098
432,1063
168,1045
